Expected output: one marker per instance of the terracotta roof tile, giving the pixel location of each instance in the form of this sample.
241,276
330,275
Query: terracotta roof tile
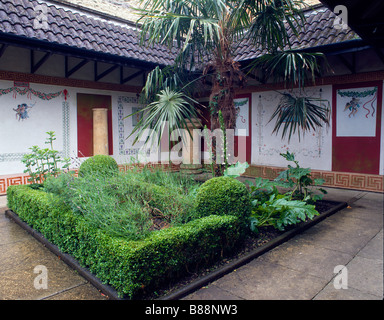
79,30
318,31
82,30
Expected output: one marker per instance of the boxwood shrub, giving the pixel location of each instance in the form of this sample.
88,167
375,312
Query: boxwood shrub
99,164
222,196
128,266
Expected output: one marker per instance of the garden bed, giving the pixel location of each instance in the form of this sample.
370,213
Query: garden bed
128,267
145,234
252,247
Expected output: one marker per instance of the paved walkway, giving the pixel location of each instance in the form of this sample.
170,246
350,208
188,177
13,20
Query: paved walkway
302,268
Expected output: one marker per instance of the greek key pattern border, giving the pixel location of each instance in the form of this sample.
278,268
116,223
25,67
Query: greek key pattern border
346,180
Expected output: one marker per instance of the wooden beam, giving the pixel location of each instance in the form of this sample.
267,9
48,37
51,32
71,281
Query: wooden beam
253,76
38,64
2,49
103,74
70,72
132,76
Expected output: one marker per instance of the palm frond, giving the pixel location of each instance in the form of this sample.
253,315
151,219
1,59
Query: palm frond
268,29
181,22
293,67
170,111
300,113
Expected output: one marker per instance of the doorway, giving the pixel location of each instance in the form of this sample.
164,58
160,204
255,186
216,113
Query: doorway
85,104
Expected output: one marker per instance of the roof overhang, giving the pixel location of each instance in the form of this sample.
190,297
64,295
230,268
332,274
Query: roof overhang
365,17
45,46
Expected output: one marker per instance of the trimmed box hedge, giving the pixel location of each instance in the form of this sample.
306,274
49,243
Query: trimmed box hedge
128,266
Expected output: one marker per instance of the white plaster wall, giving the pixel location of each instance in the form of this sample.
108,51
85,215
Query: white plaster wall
19,135
53,115
314,149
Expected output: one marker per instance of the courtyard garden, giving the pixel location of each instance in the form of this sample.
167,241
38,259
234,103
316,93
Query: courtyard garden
144,230
141,231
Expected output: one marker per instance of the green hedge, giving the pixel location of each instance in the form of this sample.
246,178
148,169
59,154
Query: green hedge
99,164
128,266
222,196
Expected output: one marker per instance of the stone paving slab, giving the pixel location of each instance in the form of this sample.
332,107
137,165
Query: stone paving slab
303,267
262,280
306,257
20,254
3,201
329,293
374,248
366,275
19,283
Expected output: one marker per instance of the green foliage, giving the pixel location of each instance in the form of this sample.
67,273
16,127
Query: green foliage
168,112
205,36
177,182
271,208
280,212
126,204
223,195
128,266
236,170
99,164
261,189
300,181
44,162
292,67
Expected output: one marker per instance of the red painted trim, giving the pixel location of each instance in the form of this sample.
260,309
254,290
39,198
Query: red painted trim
249,138
331,80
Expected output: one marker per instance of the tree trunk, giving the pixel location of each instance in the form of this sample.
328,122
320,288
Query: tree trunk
227,75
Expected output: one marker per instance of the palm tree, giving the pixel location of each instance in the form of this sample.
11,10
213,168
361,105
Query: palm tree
206,34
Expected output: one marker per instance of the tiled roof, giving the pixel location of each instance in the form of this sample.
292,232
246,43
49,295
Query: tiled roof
82,30
318,31
78,29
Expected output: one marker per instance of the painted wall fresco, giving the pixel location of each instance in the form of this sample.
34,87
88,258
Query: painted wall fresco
314,148
356,112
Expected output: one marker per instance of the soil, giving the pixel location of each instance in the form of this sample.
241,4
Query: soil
251,243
